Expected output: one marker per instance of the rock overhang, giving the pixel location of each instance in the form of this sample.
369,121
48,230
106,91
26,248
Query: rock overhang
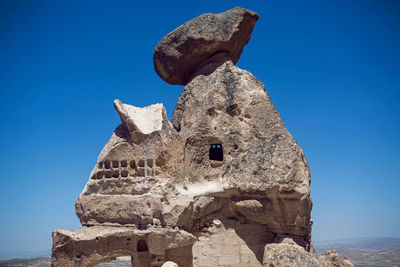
209,38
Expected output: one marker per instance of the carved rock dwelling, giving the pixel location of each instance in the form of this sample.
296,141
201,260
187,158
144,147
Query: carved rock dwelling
223,184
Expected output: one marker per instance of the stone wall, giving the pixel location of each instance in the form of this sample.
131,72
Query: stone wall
237,245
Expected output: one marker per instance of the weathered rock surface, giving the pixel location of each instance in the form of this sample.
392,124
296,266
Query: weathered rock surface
261,160
333,259
92,245
224,184
288,255
134,170
291,255
141,122
263,176
203,40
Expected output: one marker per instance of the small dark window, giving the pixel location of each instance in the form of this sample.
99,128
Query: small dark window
216,152
142,246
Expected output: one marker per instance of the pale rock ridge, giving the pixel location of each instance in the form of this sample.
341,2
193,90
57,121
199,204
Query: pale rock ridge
145,120
224,184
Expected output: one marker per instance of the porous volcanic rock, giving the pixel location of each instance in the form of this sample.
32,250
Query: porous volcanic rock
134,170
261,160
288,255
205,39
332,259
224,184
111,242
292,255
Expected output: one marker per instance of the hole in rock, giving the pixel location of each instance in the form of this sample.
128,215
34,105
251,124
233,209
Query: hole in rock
141,163
107,164
132,164
115,164
142,246
124,163
150,163
115,174
216,152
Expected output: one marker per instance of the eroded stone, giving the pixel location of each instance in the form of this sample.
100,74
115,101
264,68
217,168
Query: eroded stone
224,184
209,38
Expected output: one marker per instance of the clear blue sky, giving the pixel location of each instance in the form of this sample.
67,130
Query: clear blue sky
330,67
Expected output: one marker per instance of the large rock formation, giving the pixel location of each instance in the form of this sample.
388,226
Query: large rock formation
203,40
224,184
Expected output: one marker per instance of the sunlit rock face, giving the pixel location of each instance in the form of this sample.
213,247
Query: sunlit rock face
203,40
223,184
231,109
135,170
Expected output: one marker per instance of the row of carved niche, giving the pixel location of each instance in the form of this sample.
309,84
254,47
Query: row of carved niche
111,169
116,164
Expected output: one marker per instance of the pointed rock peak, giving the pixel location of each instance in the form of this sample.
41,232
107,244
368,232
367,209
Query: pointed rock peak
141,120
209,39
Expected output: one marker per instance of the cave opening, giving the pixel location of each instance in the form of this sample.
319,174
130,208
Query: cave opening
142,246
216,152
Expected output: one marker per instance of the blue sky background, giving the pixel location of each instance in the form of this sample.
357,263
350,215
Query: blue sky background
330,67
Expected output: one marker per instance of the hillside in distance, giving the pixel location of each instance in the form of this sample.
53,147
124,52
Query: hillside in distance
365,252
368,244
46,262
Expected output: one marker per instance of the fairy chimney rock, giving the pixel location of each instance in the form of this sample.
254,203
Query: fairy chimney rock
224,173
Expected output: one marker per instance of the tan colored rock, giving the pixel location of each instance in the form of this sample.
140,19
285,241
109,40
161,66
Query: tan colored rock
206,39
224,184
231,107
250,207
288,255
89,246
332,259
134,170
141,121
261,160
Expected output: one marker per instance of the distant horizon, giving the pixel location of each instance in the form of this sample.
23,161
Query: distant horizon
47,253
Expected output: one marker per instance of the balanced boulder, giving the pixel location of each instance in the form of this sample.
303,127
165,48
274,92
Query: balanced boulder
209,38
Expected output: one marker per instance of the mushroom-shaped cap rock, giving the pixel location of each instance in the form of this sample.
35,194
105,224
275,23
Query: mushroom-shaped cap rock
209,38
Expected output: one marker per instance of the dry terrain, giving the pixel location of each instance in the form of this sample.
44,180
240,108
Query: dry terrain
379,252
